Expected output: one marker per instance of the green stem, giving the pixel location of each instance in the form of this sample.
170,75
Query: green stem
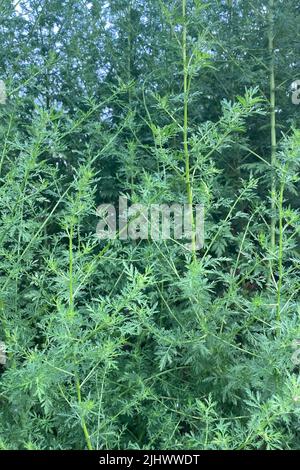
71,305
185,124
83,423
272,122
71,296
280,255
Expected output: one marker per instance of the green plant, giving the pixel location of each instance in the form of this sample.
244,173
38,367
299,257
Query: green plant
122,344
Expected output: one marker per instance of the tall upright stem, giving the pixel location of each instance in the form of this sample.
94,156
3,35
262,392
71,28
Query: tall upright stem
185,124
71,308
83,422
71,297
129,44
280,255
272,121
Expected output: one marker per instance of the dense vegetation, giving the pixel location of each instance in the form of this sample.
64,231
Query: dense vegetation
122,344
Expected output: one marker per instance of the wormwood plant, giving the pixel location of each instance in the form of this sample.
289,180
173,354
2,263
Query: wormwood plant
146,345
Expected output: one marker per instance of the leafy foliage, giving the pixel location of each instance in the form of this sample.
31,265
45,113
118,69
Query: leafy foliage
146,345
